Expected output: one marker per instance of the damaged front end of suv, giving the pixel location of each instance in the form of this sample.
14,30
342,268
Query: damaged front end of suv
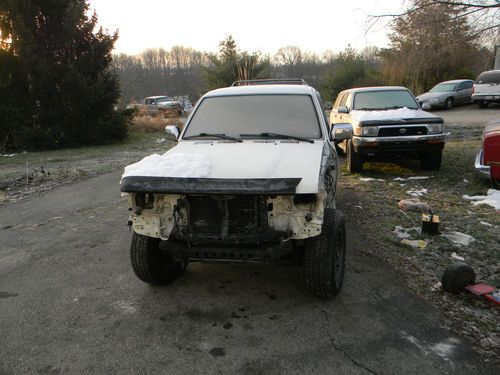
238,197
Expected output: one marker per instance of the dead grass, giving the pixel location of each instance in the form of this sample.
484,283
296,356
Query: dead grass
152,124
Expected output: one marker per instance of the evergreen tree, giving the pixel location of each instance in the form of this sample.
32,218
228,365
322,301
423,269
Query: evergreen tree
71,91
231,65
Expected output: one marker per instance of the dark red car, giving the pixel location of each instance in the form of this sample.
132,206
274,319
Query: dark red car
488,158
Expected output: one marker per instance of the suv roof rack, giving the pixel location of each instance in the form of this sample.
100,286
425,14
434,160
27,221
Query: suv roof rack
270,81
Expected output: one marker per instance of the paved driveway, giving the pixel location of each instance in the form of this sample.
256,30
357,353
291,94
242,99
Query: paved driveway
69,303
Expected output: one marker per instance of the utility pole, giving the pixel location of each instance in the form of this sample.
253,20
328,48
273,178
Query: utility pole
496,52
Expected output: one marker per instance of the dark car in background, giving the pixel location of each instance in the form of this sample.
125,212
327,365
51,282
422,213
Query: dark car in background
447,94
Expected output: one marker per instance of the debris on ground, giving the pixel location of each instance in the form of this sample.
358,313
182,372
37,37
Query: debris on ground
414,205
485,224
160,140
403,233
492,198
417,244
458,238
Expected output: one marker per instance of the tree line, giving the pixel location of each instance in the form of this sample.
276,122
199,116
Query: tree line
430,42
60,85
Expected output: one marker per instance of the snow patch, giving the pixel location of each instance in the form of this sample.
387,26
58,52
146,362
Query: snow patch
391,114
492,198
369,179
456,257
485,224
458,238
174,165
417,193
125,307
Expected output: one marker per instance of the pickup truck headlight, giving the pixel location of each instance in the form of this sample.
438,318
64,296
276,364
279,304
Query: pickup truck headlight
369,131
435,128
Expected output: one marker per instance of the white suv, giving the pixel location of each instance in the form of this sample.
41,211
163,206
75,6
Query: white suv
252,179
386,123
487,88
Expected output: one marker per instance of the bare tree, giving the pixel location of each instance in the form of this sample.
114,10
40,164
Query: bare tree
482,15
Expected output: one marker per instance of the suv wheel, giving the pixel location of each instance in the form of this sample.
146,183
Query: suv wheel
324,257
449,103
431,161
482,104
354,160
151,264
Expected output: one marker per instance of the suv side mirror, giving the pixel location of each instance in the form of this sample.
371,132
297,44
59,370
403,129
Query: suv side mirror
174,130
343,109
342,132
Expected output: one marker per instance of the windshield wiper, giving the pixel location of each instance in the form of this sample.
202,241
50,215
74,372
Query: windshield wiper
394,107
221,136
279,136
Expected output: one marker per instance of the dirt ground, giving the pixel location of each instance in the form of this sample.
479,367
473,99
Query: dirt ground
372,207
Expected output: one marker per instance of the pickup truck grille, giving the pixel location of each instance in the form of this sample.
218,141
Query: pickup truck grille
236,219
398,131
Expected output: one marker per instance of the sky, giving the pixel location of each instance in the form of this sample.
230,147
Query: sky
257,25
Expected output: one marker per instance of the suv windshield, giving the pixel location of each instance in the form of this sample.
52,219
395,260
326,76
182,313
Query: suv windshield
292,115
443,87
384,99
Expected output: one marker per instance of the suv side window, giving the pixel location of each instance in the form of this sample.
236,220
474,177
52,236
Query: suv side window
348,101
338,100
343,100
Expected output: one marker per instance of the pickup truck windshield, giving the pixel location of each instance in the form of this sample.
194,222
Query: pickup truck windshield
384,99
293,115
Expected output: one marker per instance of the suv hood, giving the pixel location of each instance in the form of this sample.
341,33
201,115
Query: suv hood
395,116
248,160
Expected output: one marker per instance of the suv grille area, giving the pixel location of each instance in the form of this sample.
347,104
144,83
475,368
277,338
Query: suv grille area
222,219
399,131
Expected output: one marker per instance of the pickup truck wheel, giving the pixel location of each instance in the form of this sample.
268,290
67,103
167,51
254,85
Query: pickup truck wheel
354,160
431,161
495,183
482,104
449,103
324,257
150,264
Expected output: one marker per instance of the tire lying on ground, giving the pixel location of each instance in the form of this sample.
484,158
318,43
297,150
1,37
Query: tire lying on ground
324,257
457,276
354,160
151,264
